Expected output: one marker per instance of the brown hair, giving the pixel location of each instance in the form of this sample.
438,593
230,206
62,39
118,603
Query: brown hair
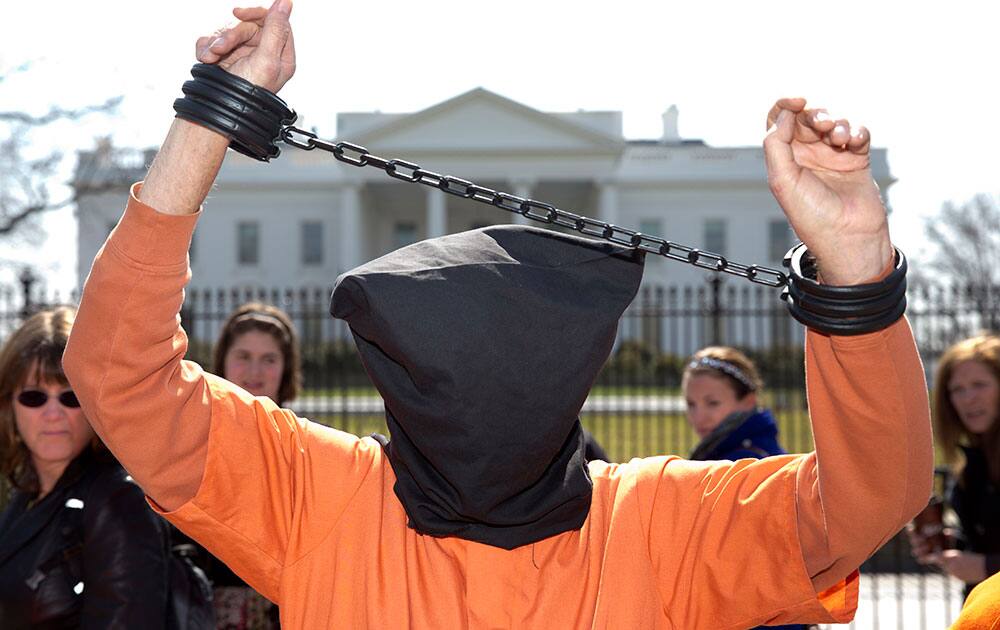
275,322
716,361
38,344
948,427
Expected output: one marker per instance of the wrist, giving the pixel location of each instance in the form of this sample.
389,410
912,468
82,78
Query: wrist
850,309
850,266
184,169
252,117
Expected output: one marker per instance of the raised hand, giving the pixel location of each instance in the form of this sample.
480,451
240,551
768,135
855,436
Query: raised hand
818,170
259,48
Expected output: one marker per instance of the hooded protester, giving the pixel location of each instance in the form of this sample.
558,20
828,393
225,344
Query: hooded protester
508,315
479,509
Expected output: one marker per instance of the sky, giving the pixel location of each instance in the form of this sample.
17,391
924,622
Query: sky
922,77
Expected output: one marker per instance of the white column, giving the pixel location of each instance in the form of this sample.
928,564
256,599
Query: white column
349,233
437,213
522,189
608,204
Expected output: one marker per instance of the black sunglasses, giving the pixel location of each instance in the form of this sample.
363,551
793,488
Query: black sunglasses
36,398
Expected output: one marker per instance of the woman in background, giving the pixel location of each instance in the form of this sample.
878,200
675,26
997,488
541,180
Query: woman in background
965,406
720,386
79,547
258,349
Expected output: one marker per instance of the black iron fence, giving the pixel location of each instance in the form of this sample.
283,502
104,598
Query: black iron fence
636,408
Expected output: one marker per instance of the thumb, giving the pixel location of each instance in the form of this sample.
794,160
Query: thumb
277,29
782,170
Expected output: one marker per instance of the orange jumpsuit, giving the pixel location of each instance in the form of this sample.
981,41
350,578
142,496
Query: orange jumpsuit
982,608
307,515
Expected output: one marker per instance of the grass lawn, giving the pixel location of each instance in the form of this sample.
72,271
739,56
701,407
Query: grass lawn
599,390
623,436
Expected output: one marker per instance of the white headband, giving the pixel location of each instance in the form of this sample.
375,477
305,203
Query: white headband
724,366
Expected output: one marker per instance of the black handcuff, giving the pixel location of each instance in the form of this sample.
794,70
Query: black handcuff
850,310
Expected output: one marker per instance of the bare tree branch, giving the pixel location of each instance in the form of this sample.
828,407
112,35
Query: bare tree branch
967,237
13,220
968,240
58,113
25,176
18,70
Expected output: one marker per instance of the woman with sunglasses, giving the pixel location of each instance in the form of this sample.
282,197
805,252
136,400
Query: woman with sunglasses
79,547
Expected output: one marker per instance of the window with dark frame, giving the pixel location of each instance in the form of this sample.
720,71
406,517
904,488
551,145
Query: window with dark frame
651,227
248,243
404,233
715,236
779,239
312,243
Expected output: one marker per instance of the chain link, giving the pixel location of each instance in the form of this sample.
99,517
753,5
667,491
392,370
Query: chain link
359,156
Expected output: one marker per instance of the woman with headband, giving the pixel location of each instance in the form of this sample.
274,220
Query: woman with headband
258,350
720,386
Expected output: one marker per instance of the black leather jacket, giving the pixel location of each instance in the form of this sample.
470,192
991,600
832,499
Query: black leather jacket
90,554
976,501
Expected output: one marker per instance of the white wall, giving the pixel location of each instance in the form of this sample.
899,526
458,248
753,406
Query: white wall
279,212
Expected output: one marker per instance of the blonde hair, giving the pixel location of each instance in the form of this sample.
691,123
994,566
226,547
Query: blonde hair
37,345
728,364
950,431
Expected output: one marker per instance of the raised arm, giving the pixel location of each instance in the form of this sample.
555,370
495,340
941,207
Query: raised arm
137,282
872,468
234,472
777,540
259,49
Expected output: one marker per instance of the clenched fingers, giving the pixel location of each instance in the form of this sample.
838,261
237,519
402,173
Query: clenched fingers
250,14
794,105
817,125
211,49
277,31
848,137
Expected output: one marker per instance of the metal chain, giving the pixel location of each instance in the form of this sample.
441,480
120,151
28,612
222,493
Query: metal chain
359,156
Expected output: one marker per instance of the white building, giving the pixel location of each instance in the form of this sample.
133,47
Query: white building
305,217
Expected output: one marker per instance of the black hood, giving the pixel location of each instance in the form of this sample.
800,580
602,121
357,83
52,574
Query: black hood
484,346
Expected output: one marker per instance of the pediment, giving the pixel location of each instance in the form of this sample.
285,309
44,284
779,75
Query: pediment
482,121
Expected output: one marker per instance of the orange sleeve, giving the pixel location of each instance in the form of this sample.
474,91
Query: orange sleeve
124,355
779,540
244,478
724,546
982,608
872,469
